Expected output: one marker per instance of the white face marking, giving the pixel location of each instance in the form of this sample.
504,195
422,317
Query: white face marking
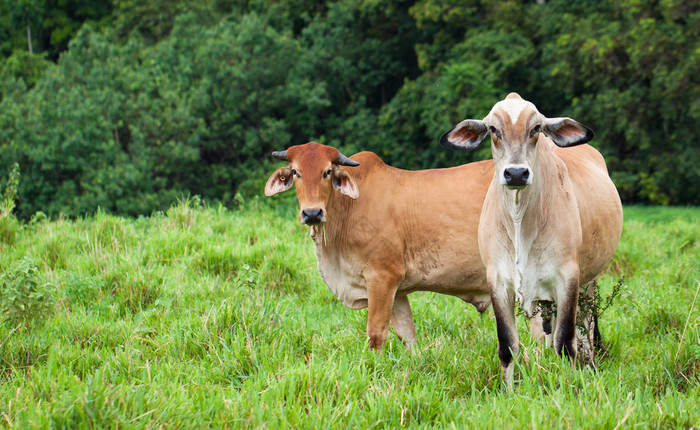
513,107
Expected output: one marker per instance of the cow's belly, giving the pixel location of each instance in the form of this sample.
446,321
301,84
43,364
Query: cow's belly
455,280
344,280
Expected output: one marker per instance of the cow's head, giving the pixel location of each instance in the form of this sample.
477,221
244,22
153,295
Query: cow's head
314,169
515,126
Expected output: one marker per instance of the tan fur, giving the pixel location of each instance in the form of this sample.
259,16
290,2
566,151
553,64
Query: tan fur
547,235
549,239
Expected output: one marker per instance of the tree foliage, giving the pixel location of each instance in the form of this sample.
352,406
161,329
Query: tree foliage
154,100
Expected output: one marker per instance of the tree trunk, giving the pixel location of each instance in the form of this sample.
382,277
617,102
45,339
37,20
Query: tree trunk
29,37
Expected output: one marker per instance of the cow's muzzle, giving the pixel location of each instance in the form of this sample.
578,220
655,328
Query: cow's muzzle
312,216
516,176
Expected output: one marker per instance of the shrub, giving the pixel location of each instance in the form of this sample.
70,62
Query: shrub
24,299
7,204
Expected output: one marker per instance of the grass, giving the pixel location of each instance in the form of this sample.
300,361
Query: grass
204,317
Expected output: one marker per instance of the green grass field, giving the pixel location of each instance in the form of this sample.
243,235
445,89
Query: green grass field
203,317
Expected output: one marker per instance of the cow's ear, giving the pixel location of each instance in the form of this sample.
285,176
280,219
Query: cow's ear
566,132
465,136
281,180
345,184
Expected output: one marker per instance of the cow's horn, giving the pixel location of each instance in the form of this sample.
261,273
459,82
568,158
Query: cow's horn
345,161
280,155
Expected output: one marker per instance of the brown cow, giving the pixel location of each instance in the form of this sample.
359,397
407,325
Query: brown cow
382,233
551,220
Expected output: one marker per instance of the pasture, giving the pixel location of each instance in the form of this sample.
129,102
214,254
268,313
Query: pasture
208,317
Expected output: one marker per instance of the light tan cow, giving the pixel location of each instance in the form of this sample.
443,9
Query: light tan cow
550,224
382,233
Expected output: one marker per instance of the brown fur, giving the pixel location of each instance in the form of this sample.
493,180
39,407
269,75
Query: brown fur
407,231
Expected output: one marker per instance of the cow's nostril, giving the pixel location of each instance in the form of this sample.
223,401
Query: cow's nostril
312,216
516,176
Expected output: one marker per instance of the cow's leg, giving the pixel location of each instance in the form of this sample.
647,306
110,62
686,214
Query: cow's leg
381,289
541,328
541,324
503,302
402,320
547,329
565,329
597,337
536,330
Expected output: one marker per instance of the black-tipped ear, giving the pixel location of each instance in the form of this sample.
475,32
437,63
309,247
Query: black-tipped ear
465,136
565,132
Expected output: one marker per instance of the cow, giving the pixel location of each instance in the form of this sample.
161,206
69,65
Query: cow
382,232
550,223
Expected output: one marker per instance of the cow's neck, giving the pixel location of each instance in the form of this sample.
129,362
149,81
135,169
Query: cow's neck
333,232
524,212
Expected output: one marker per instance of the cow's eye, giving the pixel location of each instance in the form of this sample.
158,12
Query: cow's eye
494,131
536,129
295,173
327,173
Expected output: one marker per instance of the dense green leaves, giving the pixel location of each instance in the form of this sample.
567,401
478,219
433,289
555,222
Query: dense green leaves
633,74
24,300
156,100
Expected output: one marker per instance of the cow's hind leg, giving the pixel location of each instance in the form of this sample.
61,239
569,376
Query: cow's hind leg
541,328
402,320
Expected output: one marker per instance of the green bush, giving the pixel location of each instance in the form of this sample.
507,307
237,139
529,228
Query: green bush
24,299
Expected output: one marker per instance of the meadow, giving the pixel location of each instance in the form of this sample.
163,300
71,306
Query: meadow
212,317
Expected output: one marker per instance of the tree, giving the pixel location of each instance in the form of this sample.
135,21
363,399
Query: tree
24,13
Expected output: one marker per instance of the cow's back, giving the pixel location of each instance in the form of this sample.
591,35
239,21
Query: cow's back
599,206
422,223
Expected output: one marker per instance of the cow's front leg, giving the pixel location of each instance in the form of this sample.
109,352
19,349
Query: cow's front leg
565,329
402,320
381,289
503,302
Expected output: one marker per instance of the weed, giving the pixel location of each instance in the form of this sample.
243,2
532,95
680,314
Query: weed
7,204
82,289
19,350
183,214
9,227
24,299
247,277
589,307
134,288
592,307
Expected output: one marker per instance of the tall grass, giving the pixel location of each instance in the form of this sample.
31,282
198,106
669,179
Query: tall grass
205,317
